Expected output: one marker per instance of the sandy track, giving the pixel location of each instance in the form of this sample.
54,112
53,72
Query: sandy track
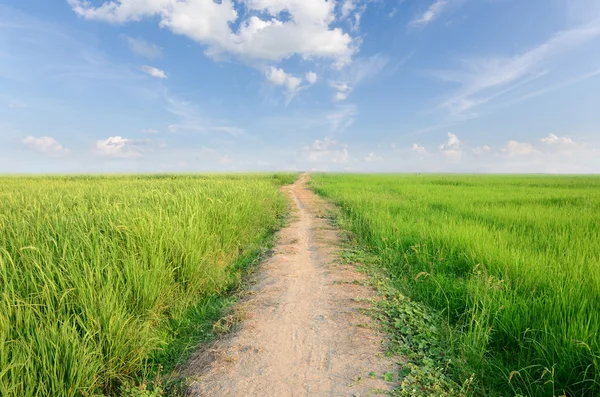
304,334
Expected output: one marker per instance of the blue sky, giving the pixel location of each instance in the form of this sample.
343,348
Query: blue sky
347,85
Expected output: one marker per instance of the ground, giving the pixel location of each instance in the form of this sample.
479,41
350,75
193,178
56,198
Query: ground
304,331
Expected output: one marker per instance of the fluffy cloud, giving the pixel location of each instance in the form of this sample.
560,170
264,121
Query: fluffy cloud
481,149
347,7
116,146
372,157
552,139
327,151
154,72
262,32
292,83
143,48
44,144
418,148
280,77
453,143
311,77
516,149
451,148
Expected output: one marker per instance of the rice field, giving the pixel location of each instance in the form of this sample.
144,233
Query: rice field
94,271
512,263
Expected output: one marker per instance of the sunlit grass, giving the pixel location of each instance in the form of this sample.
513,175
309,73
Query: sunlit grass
95,270
513,262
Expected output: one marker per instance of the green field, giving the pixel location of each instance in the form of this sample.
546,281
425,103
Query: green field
97,273
512,262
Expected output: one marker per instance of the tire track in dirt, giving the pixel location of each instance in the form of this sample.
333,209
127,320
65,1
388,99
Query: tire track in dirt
304,333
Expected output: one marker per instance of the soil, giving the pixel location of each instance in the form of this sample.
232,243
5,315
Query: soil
304,331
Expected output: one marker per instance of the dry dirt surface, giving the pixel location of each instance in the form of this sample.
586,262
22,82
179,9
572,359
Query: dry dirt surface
304,333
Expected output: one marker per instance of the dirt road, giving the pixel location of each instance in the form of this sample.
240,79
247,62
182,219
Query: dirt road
304,333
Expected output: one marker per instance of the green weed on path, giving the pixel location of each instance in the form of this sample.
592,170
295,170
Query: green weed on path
417,335
512,262
100,274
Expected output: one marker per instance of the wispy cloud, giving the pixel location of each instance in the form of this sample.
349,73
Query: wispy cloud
359,72
488,78
190,119
552,87
431,14
342,117
143,48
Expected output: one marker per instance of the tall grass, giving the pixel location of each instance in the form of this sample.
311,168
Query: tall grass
94,269
513,262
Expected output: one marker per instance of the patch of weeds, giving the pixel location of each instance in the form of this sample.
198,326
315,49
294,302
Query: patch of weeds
415,332
144,389
388,377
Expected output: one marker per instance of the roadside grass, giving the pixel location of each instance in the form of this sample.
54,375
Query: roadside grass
105,279
511,262
430,366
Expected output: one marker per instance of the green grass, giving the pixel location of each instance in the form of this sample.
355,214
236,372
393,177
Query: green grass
512,262
100,276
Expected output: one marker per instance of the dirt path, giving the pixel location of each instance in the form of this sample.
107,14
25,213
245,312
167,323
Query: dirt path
304,334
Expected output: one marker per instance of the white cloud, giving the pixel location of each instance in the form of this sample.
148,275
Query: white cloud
418,148
44,144
351,11
262,33
280,77
451,149
327,151
516,149
154,72
481,149
453,143
532,156
311,77
432,13
343,90
489,78
116,146
552,139
143,48
372,157
347,7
